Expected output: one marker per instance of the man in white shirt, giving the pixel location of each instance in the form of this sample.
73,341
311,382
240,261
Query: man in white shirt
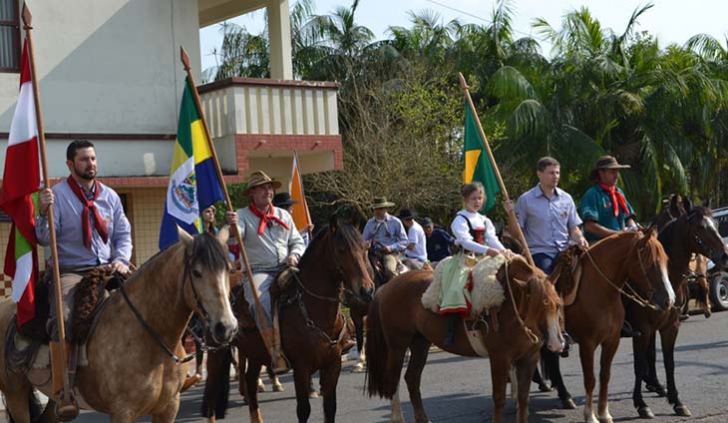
416,251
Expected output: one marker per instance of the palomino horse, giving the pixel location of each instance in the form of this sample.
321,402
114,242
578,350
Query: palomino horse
695,232
594,312
131,370
313,329
397,321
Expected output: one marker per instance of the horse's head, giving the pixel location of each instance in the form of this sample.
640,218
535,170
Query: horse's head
340,248
542,304
703,236
206,284
646,263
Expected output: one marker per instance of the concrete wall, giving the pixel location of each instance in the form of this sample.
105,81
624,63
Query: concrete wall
109,67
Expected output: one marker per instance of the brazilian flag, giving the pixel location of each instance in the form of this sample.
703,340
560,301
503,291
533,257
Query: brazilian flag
478,167
193,182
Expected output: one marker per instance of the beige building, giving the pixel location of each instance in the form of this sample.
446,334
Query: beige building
109,71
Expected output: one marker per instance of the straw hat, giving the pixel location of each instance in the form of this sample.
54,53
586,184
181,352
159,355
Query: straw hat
606,162
381,203
259,178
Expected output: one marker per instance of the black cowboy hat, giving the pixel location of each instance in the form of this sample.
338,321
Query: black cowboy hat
407,214
283,199
606,162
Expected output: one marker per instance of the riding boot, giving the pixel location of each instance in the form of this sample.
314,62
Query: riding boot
66,406
279,362
628,332
450,334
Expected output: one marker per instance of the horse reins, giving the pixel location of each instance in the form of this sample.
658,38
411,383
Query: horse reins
304,312
634,296
529,333
153,333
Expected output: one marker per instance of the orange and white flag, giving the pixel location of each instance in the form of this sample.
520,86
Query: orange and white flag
300,214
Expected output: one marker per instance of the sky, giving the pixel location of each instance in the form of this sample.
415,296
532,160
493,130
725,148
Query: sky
672,21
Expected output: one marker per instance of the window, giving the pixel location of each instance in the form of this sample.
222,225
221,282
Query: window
9,36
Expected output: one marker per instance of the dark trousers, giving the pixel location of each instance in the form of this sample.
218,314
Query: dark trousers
544,262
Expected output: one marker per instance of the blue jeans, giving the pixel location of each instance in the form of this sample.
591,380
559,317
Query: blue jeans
544,262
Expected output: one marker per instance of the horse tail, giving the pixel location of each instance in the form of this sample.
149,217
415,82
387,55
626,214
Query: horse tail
217,385
377,352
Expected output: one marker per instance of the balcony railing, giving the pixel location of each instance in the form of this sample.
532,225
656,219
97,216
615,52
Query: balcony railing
238,106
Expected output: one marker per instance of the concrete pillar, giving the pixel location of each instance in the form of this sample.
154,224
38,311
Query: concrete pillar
279,34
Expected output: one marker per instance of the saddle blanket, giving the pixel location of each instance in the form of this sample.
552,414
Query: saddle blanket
462,284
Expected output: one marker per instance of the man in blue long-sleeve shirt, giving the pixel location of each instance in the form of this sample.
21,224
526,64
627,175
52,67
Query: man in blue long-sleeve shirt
91,227
385,233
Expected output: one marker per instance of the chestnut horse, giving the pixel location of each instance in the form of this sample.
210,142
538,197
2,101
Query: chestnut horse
398,321
313,329
595,316
695,232
129,372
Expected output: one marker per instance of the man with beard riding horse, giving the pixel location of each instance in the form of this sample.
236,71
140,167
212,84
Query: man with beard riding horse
92,231
606,211
272,244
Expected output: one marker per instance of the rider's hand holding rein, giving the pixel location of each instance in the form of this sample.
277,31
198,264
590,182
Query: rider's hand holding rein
45,201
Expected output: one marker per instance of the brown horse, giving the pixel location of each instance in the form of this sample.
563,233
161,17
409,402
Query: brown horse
313,329
595,317
695,232
398,321
129,374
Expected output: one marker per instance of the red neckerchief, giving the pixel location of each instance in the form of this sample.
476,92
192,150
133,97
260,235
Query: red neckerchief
89,206
265,217
618,199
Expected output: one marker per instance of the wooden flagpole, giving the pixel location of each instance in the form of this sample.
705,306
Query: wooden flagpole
512,219
65,396
266,331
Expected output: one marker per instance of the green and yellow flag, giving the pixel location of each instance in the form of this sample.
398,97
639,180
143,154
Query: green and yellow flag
478,167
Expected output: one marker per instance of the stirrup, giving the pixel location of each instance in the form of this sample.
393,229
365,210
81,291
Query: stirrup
66,409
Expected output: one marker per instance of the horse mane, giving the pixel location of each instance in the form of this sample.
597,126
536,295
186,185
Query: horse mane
209,252
345,235
538,293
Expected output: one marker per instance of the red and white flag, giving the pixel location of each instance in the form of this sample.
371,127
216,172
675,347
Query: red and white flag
21,182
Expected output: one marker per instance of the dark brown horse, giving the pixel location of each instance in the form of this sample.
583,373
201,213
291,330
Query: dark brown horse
313,329
695,232
398,321
594,313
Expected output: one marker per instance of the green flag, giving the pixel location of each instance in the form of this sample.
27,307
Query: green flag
477,164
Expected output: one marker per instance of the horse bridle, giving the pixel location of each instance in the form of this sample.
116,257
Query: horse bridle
698,240
529,333
634,295
200,311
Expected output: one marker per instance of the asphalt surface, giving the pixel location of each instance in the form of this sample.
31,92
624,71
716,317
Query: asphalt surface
458,390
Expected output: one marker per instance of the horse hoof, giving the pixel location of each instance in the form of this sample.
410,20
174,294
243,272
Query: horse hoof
278,387
542,387
645,413
358,368
682,411
658,389
313,394
568,404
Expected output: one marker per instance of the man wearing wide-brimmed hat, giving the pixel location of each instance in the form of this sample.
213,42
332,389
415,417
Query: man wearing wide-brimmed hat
271,242
605,211
603,208
385,234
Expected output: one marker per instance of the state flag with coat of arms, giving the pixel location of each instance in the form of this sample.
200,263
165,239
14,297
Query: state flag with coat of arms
193,183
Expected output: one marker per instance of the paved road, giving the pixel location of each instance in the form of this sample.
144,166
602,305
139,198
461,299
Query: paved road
457,390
